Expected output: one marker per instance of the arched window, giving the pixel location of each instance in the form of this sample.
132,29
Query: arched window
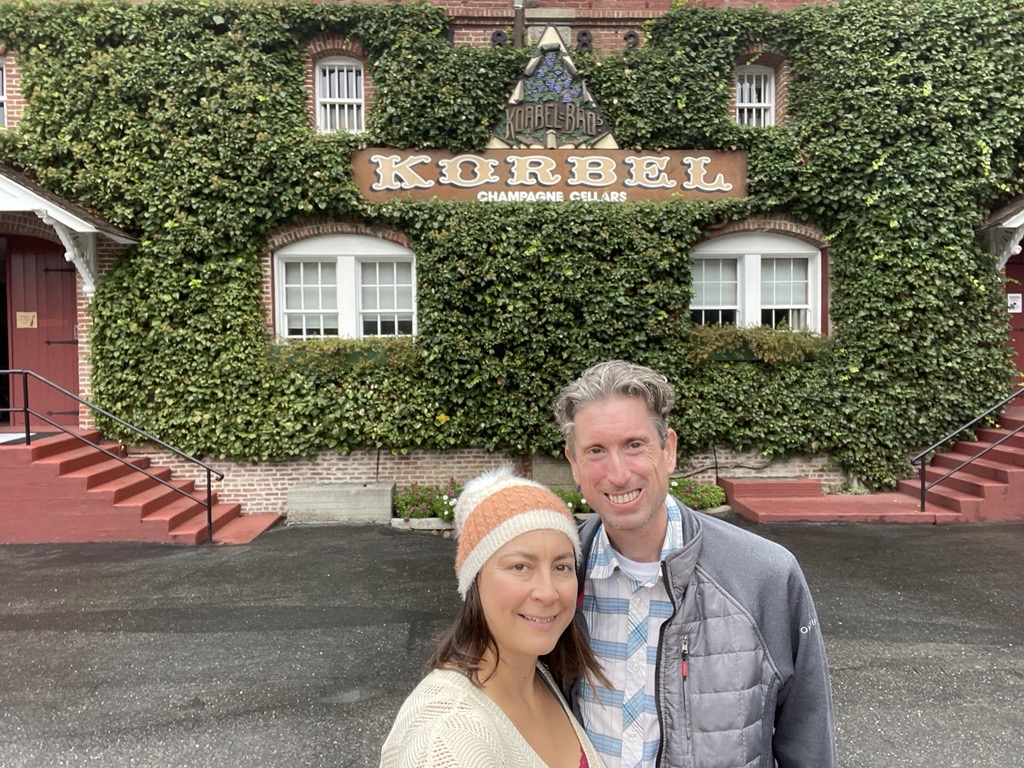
340,100
754,278
755,95
345,285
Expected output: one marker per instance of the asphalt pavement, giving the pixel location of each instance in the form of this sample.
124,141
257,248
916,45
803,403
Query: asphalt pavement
298,649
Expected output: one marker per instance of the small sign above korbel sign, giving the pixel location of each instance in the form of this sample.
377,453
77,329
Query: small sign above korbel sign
554,175
551,143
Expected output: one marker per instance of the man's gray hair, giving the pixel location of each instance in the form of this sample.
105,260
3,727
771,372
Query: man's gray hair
615,378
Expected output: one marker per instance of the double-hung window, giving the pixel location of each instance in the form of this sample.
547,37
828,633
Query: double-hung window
749,279
340,103
716,294
755,95
3,96
345,285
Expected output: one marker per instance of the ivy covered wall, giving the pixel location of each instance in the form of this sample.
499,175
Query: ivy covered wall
186,123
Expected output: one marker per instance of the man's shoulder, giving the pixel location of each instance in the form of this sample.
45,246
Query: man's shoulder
729,544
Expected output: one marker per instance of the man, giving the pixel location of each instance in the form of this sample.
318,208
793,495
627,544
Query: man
707,632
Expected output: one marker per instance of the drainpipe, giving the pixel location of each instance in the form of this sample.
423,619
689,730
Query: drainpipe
518,22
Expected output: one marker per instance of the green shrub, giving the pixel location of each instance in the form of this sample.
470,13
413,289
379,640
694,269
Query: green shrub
696,495
772,346
574,501
423,500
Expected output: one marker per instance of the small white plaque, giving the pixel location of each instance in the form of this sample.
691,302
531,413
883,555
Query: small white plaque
27,320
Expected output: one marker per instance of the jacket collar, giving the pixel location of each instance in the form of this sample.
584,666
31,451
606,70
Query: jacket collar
678,564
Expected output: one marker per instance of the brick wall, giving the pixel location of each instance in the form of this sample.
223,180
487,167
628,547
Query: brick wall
780,224
263,486
15,101
704,468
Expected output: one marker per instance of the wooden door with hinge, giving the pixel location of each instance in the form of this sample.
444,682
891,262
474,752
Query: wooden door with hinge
42,323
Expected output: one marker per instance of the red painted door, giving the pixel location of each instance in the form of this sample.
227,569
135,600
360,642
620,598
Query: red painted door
42,327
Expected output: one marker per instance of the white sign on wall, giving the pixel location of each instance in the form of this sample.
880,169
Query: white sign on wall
1014,303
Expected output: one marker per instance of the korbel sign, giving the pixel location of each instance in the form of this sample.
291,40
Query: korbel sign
551,143
522,175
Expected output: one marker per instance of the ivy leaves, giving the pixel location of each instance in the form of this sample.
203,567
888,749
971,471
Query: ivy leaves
186,121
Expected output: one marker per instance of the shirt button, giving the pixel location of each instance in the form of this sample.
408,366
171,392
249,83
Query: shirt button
636,666
631,735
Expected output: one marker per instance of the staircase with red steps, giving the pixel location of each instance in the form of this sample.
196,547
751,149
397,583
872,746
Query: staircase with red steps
60,489
989,489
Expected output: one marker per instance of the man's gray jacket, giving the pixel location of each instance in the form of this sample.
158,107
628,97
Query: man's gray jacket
757,691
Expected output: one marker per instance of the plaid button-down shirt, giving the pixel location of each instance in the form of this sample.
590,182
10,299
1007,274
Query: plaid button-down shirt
616,606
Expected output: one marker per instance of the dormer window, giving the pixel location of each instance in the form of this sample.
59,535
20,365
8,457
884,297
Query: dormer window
340,104
755,95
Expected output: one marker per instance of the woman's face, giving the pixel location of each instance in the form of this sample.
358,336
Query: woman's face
528,594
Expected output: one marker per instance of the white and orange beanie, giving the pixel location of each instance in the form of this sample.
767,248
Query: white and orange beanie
496,507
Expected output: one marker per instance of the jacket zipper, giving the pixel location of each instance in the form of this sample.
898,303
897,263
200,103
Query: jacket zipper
684,662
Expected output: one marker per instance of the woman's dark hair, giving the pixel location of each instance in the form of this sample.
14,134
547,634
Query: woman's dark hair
464,644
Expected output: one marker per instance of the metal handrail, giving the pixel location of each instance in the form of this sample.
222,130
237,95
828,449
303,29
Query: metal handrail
918,460
28,412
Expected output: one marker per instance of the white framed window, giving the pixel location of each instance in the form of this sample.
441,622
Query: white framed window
345,285
755,95
339,95
751,278
716,292
3,96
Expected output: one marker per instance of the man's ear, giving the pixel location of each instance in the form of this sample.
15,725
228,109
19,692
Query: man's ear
671,440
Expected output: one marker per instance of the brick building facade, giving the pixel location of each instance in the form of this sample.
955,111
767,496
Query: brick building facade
603,26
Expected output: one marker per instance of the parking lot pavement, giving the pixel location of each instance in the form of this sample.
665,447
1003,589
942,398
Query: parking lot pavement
298,649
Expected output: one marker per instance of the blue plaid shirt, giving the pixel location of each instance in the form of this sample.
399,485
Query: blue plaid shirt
624,617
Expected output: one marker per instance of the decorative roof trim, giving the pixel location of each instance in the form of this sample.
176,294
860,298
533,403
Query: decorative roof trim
76,227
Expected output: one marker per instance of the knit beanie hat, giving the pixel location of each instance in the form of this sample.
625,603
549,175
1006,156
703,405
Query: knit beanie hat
496,507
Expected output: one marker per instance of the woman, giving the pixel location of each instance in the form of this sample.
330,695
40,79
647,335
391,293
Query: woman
488,700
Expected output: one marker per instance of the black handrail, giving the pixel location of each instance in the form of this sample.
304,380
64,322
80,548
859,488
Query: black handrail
918,460
28,412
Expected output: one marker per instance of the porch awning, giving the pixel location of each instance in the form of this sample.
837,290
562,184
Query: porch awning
76,227
1002,233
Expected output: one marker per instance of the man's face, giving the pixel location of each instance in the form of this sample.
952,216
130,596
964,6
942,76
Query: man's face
623,470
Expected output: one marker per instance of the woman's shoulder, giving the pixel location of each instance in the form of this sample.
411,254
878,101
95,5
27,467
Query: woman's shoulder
446,700
448,688
445,718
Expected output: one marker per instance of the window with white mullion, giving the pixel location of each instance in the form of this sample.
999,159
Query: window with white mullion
339,95
386,298
716,292
755,95
784,292
310,298
345,285
776,279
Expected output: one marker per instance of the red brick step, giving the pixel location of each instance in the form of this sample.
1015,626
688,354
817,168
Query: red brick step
63,489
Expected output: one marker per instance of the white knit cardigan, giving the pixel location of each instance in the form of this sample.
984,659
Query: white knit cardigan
447,722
